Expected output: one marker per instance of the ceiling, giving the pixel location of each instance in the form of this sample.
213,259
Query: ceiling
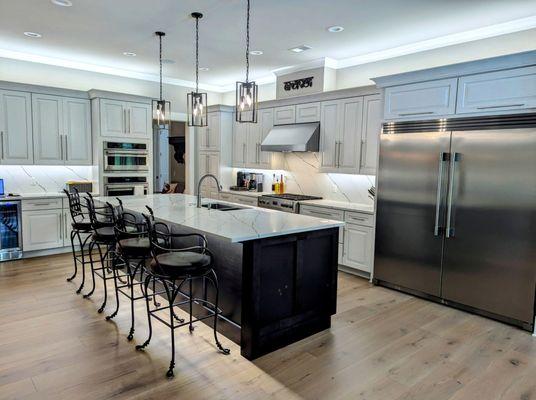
93,34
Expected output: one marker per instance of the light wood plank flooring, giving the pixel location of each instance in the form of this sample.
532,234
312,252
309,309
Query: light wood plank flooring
382,345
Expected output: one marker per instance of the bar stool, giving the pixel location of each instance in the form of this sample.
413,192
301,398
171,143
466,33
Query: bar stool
81,225
133,249
173,267
103,236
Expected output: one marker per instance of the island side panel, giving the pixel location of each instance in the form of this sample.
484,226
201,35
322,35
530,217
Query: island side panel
289,289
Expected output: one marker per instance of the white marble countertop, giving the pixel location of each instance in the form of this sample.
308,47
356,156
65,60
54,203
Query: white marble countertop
249,223
341,205
42,195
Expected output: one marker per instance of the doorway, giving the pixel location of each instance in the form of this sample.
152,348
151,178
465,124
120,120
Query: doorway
170,167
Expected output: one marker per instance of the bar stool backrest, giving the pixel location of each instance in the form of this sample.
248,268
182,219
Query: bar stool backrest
100,216
77,209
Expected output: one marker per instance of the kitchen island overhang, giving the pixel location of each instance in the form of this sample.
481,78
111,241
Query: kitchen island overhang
277,272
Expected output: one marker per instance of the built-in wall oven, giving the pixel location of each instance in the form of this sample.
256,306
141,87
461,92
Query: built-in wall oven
126,157
10,229
125,185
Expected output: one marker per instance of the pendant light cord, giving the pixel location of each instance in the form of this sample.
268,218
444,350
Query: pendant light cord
247,44
197,55
160,54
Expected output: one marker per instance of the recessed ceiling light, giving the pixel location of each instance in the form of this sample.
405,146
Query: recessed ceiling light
335,29
204,68
33,34
168,61
256,52
129,54
62,3
300,49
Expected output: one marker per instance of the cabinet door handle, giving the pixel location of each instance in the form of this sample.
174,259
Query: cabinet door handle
244,152
208,137
61,225
339,156
502,106
66,151
336,153
61,147
363,153
124,121
416,113
2,140
129,122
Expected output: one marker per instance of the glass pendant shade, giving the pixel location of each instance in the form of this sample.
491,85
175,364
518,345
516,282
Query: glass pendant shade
246,101
162,113
197,109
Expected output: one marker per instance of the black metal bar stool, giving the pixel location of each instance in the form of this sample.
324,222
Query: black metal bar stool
81,226
172,268
133,249
103,237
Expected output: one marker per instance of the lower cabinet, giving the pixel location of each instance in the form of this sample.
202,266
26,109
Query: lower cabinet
356,238
239,198
42,229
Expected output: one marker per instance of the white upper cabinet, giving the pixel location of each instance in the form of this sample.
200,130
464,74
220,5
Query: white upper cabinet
125,119
48,128
420,100
240,142
349,147
209,137
309,112
77,131
266,123
497,91
284,115
340,135
372,121
61,130
16,144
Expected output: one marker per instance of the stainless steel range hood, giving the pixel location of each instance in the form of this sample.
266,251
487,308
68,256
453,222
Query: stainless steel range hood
294,137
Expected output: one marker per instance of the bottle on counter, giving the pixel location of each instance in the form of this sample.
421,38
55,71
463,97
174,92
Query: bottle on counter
282,186
273,184
276,191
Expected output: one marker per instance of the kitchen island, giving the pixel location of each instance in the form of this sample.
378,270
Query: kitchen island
277,271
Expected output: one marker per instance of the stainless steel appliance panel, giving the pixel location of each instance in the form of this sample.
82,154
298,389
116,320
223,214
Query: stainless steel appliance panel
10,230
413,171
490,248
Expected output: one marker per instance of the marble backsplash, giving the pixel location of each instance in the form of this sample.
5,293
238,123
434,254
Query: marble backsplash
42,178
302,176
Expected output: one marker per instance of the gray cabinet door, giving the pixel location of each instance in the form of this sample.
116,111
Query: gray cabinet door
421,100
372,125
213,131
16,128
48,129
329,134
266,122
77,131
139,119
349,148
497,91
113,117
240,136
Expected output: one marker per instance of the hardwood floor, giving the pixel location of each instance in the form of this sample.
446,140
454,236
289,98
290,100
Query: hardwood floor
382,345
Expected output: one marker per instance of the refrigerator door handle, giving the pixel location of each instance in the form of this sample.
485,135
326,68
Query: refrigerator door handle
456,157
443,158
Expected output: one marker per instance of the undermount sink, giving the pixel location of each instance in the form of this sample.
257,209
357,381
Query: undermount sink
222,207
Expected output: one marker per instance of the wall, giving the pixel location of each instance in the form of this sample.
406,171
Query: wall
42,178
301,176
49,75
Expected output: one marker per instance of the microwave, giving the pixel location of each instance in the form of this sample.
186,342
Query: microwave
124,156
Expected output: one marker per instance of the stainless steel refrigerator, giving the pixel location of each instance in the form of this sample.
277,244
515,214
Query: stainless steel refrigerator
456,213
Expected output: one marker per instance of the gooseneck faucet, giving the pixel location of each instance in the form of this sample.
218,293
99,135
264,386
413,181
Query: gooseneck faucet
199,187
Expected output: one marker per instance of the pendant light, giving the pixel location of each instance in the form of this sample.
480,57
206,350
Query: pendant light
197,102
161,107
246,92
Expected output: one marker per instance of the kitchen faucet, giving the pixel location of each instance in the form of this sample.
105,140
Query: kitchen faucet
199,187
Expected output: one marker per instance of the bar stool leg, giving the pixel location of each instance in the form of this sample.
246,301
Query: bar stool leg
191,327
73,233
130,278
171,299
216,313
112,315
101,309
91,249
82,255
146,343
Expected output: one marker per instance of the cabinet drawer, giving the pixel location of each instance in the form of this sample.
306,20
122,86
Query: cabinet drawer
284,115
418,100
497,91
309,112
359,218
226,197
42,204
